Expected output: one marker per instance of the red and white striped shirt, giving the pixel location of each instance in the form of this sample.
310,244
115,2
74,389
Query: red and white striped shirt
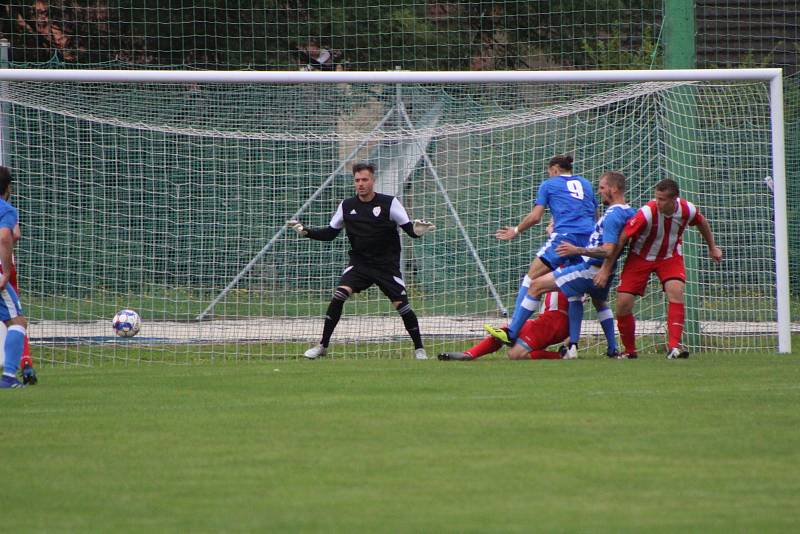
655,236
555,301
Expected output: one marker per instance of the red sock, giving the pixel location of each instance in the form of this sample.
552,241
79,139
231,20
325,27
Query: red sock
544,355
26,354
627,332
675,318
487,346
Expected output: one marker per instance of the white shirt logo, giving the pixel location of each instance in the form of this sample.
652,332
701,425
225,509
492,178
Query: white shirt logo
352,212
376,211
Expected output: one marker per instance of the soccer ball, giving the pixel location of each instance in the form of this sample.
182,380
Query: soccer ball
126,323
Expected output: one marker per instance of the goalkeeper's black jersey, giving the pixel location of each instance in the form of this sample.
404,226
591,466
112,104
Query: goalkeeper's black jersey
371,228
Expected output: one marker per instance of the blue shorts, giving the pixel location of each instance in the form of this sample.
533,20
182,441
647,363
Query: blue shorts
576,280
551,258
9,303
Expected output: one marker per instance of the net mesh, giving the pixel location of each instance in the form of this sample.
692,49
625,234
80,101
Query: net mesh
158,197
372,35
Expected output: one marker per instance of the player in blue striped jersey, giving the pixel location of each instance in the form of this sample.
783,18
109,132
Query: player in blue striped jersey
10,309
577,280
572,205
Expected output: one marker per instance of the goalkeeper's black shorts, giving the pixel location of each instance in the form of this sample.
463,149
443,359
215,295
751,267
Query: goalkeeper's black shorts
387,278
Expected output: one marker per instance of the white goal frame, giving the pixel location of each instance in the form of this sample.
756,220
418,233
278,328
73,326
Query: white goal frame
773,76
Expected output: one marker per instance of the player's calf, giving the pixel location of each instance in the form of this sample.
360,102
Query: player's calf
332,316
411,323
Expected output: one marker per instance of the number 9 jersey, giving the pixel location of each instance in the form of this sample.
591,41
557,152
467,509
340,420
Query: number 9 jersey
571,201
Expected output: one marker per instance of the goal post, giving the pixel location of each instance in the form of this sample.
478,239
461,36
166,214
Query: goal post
496,148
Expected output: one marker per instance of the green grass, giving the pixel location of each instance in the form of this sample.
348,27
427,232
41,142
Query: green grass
706,444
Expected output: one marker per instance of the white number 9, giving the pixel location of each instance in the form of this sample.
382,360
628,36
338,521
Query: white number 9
575,189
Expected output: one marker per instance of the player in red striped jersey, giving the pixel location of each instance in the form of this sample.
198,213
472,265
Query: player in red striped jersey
655,234
548,328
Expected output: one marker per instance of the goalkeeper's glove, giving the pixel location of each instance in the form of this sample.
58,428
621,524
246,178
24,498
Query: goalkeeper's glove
298,227
422,227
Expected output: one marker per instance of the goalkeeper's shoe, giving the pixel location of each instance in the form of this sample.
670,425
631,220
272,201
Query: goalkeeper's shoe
10,382
454,356
499,333
420,354
29,377
676,353
315,352
627,356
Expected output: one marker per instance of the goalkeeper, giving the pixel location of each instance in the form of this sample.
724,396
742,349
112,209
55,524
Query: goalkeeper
370,220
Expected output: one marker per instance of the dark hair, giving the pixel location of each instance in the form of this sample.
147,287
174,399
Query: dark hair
5,179
563,161
363,166
615,178
667,185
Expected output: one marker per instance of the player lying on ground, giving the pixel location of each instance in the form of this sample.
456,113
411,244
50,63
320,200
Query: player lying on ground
10,309
655,234
26,365
370,220
572,205
576,280
549,328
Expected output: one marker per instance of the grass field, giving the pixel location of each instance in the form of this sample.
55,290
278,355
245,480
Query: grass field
707,444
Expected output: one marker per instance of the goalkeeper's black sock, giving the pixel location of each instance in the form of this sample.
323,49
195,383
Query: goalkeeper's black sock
411,323
332,317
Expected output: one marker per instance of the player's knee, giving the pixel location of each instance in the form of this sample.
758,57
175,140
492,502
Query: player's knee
341,293
403,306
517,352
674,291
624,309
537,288
19,320
625,303
539,267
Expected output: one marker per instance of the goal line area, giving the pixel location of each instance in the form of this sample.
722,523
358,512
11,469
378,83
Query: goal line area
350,329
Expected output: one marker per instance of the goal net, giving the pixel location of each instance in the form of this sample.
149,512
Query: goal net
171,199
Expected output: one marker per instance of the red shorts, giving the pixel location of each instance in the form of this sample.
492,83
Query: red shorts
637,270
547,329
